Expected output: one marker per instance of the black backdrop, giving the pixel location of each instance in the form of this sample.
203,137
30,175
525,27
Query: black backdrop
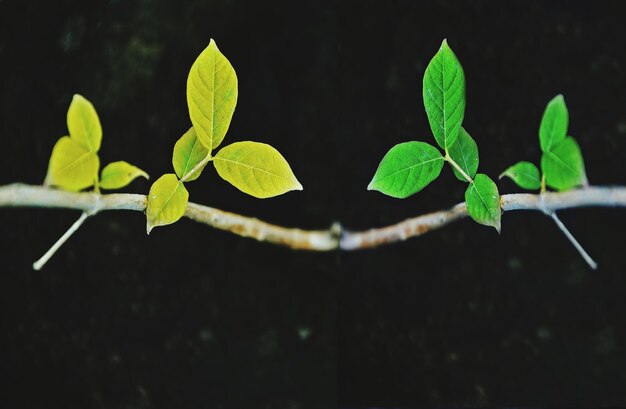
193,317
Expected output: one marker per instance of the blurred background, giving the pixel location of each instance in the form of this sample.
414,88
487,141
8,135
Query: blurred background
191,317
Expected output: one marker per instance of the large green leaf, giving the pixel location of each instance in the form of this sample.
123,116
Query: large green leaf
553,128
524,174
483,201
406,169
84,124
465,153
256,169
167,201
444,96
188,153
563,165
118,174
211,95
72,166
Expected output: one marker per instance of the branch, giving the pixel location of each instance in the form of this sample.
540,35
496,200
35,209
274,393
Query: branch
20,195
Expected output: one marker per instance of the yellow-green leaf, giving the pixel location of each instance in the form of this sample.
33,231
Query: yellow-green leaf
72,167
84,124
188,153
167,201
256,169
211,95
119,174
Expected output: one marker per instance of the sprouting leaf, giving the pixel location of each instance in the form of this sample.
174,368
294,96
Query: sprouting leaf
188,152
116,175
84,124
483,201
72,166
553,128
211,95
167,201
256,169
406,169
563,165
524,174
444,96
465,153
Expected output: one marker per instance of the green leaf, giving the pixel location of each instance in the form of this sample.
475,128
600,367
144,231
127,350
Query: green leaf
483,201
256,169
211,95
465,153
524,174
116,175
189,152
72,167
563,165
444,96
167,201
406,169
553,128
84,124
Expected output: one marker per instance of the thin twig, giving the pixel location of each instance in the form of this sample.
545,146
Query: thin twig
37,265
318,240
575,242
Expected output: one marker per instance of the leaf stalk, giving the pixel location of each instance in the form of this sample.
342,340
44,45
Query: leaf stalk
456,166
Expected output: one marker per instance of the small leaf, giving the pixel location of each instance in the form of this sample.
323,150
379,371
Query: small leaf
465,153
256,169
84,124
563,165
553,128
72,166
524,174
211,95
189,152
116,175
444,96
167,201
406,169
483,201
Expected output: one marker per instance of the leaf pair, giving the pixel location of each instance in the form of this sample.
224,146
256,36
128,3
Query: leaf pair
411,166
74,163
562,162
254,168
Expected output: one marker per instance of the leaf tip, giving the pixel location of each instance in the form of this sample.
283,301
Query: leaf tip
149,228
498,226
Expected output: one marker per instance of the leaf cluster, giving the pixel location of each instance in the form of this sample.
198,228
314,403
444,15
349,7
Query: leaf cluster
252,167
74,163
411,166
562,164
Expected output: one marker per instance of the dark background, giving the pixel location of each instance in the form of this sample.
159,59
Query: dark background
192,317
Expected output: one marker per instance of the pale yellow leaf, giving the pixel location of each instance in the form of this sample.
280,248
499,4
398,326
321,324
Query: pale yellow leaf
167,201
83,124
72,166
256,169
211,95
